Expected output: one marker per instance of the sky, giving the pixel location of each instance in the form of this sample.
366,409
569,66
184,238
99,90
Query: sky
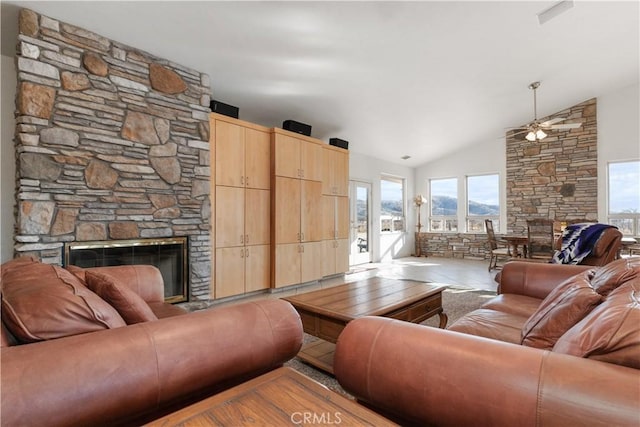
624,187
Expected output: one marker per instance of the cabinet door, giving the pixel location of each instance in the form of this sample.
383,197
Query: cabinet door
328,257
342,255
328,167
286,218
257,159
257,264
229,152
342,217
287,265
286,152
328,217
311,264
257,221
311,161
229,272
229,216
341,173
311,221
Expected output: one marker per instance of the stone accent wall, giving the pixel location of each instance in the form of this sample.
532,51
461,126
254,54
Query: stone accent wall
112,143
455,245
556,177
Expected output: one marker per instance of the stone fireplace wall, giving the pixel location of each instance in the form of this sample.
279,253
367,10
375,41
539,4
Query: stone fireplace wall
557,177
112,143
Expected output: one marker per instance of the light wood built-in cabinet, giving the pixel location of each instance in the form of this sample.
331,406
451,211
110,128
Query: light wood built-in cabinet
279,208
296,208
242,203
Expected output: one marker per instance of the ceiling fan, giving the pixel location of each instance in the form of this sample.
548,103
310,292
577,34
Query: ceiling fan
536,130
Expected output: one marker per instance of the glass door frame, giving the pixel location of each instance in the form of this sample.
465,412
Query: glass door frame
355,255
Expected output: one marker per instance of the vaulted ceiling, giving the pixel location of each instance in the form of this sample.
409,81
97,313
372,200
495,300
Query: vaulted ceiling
418,79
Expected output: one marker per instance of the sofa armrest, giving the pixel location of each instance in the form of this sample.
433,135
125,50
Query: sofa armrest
535,279
145,280
115,375
427,376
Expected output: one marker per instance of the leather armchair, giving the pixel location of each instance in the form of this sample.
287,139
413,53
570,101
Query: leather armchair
605,250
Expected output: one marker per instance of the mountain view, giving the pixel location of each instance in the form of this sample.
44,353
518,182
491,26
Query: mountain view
442,205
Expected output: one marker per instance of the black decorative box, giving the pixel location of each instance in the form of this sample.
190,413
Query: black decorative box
297,127
224,109
337,142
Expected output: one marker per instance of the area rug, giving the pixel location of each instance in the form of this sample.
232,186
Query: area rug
456,302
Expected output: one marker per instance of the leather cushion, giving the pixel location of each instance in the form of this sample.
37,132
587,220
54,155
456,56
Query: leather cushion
610,276
610,332
130,305
520,305
42,301
565,306
490,324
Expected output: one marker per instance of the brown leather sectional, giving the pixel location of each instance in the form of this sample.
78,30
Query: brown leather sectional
100,347
559,346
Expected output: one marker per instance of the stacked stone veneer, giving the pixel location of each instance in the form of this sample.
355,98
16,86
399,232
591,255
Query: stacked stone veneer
112,143
557,177
455,245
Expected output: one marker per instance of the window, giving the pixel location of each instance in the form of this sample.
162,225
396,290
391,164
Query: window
392,204
624,196
444,204
483,202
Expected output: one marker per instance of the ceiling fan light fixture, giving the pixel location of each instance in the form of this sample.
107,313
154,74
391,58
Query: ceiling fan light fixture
540,134
531,136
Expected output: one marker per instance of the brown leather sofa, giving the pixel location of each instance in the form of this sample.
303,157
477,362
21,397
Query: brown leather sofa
559,346
70,358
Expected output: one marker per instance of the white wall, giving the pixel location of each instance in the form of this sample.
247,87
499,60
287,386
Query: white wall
484,157
387,246
7,157
618,135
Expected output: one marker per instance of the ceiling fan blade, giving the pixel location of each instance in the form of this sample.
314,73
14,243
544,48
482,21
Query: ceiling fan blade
552,121
566,126
519,133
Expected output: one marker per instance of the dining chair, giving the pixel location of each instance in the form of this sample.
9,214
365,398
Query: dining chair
496,250
541,241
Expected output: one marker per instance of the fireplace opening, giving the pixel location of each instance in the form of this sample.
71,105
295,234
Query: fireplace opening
168,254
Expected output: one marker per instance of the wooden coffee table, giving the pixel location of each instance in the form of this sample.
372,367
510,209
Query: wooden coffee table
282,397
326,312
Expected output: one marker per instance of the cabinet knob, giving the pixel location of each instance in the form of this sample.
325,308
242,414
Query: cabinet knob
242,180
302,236
241,253
247,181
246,239
246,251
242,238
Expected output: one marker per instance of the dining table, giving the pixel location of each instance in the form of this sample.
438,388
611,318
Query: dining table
514,241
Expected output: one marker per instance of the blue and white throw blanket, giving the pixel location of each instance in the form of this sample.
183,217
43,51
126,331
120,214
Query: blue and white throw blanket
578,241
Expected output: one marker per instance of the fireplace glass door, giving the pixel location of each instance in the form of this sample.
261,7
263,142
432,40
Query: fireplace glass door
168,255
